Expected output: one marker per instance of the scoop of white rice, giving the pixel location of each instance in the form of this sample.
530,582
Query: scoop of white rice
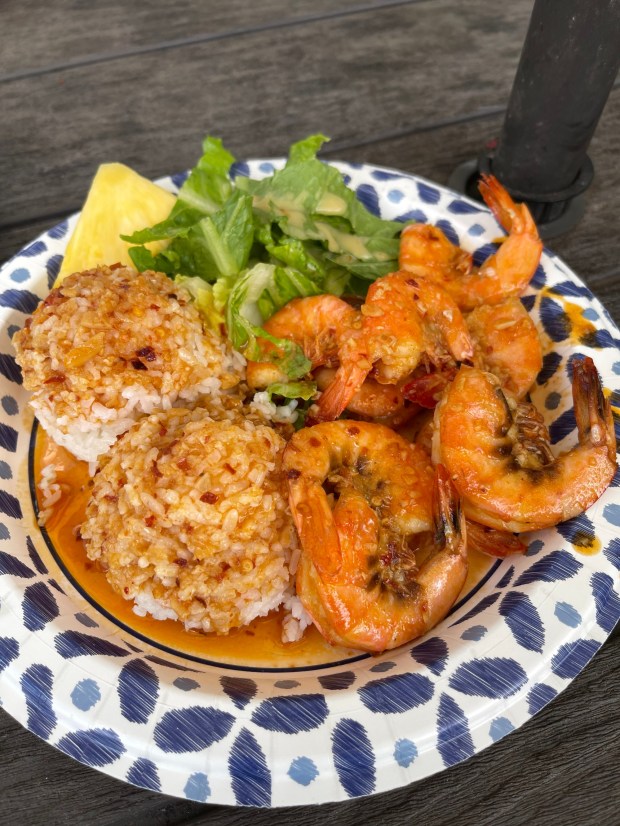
189,519
109,345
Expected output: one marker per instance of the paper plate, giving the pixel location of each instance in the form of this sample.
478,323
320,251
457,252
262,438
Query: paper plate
230,735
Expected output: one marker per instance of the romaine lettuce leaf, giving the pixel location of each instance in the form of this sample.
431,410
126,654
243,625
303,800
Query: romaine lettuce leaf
217,245
261,286
202,294
292,390
306,229
205,191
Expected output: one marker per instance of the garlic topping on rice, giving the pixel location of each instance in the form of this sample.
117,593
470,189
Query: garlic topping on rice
189,518
111,344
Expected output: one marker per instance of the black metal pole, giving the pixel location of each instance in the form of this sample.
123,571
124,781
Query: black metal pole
569,61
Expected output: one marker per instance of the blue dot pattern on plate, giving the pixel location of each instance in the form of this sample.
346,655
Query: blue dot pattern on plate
489,677
538,697
33,554
84,619
76,644
86,694
186,684
397,693
484,603
454,741
138,689
19,275
500,727
39,606
433,653
10,405
405,752
144,773
567,614
9,368
239,689
474,633
523,620
191,729
337,682
197,787
96,747
303,770
259,738
251,778
37,684
558,565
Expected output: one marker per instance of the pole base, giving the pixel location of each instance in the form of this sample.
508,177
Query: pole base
555,213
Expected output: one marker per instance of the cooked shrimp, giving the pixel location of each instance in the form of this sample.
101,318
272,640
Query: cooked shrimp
498,455
317,323
507,344
373,400
492,542
358,576
329,332
427,386
426,251
406,317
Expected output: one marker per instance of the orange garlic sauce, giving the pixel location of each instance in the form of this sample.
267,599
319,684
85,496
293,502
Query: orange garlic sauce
257,645
579,325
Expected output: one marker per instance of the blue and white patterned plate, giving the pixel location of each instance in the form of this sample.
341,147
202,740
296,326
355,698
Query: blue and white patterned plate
214,733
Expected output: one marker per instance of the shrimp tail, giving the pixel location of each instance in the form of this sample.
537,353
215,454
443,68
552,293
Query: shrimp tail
502,206
450,530
443,574
345,384
427,389
592,410
492,542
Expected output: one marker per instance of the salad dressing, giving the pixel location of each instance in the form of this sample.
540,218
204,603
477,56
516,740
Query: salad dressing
258,644
331,204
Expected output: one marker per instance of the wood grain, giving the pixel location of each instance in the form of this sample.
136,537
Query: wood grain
258,92
87,32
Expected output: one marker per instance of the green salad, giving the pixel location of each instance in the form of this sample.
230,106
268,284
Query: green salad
244,247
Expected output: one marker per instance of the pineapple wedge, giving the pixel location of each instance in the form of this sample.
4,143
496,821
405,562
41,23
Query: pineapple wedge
119,202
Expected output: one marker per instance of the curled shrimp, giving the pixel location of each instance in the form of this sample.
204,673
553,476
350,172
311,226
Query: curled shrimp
373,401
328,330
426,251
506,343
498,454
492,542
404,318
358,576
317,323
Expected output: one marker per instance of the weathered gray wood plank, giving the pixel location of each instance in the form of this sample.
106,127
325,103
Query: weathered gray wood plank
79,31
389,69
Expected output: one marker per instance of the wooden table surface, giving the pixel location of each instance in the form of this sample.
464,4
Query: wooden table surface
419,85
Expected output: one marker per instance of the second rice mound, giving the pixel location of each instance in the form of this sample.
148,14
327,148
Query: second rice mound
189,519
